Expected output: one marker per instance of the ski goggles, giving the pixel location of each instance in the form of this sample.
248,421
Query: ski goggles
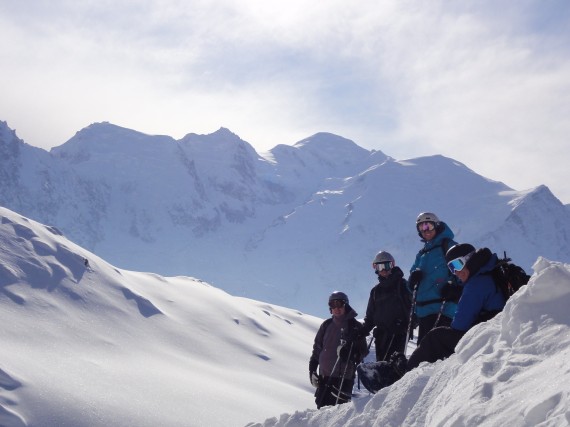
336,303
426,226
381,266
458,264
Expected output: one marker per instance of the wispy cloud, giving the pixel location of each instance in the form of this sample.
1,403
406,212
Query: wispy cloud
474,82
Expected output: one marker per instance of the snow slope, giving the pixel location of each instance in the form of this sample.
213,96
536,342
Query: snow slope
100,346
511,371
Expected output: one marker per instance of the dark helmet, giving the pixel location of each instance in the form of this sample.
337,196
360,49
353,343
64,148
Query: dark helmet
458,251
338,295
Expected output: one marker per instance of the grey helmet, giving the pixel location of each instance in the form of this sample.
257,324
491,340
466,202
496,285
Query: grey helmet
338,295
383,256
427,217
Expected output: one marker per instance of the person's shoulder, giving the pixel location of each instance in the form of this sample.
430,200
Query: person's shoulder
326,323
354,323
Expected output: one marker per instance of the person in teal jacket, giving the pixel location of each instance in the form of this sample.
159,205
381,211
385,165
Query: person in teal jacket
435,289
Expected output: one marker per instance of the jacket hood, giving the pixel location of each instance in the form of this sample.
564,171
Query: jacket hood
481,262
392,280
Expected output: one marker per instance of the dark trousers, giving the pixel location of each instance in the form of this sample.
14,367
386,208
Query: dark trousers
438,344
328,390
387,343
427,323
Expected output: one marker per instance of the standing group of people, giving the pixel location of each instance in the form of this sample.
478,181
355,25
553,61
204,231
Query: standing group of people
449,289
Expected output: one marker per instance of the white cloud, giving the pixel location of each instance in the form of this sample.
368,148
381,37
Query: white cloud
407,78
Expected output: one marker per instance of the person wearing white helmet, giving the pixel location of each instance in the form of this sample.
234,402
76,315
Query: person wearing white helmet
480,301
429,276
388,308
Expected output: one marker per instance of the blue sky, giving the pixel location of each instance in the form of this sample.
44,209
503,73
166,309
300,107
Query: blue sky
486,83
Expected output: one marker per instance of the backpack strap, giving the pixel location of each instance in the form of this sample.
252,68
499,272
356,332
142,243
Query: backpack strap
444,247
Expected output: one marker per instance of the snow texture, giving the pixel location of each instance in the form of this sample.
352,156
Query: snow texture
87,344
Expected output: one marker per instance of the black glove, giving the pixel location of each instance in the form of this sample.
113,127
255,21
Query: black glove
451,292
362,334
399,363
415,278
313,364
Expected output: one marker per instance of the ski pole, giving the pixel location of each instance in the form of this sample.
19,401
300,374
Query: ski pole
328,384
344,373
439,314
390,345
410,320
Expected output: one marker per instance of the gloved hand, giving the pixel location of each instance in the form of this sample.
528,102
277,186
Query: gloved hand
343,352
415,278
451,292
314,379
399,363
362,334
313,364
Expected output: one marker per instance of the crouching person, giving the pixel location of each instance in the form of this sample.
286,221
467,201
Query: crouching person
481,299
339,346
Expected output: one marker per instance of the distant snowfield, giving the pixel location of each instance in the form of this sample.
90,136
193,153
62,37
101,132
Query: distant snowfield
99,346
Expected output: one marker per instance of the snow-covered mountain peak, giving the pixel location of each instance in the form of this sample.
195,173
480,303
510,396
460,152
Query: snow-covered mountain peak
111,144
330,149
221,140
537,219
537,195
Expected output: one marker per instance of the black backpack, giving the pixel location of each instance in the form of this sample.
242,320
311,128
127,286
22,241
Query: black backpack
508,277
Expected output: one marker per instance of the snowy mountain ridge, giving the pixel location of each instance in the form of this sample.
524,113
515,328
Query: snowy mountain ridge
287,227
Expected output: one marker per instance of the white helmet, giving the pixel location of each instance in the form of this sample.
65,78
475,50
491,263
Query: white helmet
427,217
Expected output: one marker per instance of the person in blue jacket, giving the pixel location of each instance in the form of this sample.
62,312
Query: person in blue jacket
430,279
481,300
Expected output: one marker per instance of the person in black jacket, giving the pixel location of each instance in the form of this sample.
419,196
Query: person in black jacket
388,307
339,346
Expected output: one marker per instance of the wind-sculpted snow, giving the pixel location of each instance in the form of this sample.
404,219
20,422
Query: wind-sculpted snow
510,371
85,344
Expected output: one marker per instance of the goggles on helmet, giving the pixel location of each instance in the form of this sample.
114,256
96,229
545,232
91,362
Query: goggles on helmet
458,264
385,265
426,226
336,303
